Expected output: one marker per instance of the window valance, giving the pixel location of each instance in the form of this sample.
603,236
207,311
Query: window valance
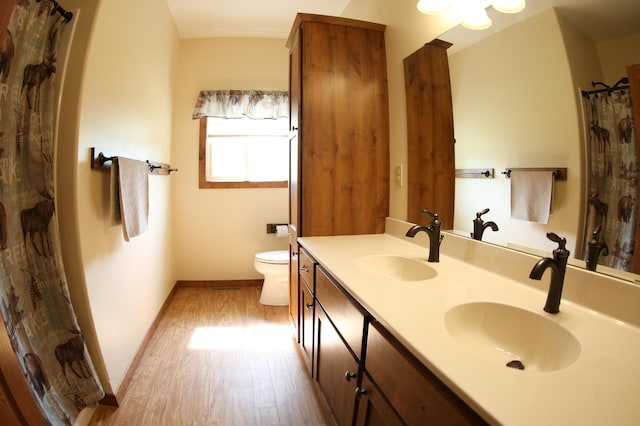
256,104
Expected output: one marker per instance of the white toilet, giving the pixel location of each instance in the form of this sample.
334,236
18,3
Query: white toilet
274,265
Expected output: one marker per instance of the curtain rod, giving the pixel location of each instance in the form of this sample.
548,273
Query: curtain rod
59,9
608,89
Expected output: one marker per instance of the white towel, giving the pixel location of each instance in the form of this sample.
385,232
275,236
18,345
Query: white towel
531,195
129,204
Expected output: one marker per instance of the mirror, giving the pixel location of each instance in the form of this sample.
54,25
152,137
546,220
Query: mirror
516,104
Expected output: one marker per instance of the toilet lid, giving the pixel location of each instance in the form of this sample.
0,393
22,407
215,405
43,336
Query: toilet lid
279,257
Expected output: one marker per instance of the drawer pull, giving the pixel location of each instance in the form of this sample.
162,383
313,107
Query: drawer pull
294,254
309,305
349,375
360,391
304,268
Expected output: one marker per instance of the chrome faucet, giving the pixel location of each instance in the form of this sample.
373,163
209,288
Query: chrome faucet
595,248
558,267
479,225
433,231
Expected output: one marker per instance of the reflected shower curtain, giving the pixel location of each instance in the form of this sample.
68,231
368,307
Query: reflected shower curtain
612,157
34,298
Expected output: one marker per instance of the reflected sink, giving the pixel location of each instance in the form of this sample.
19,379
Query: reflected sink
395,268
512,335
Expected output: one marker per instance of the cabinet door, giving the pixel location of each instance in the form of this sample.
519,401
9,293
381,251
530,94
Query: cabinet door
430,138
416,394
294,140
307,306
373,408
336,370
294,286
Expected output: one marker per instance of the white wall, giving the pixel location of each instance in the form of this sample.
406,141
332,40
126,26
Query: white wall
120,97
523,68
217,232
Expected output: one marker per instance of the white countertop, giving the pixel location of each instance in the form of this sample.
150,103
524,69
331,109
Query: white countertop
602,387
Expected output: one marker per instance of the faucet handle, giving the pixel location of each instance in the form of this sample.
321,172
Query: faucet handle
557,239
561,253
480,213
435,216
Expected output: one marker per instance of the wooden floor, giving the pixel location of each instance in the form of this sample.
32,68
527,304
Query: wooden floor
218,357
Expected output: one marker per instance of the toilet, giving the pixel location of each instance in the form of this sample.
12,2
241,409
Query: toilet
274,265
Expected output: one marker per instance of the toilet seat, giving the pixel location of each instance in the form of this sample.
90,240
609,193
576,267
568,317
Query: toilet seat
278,257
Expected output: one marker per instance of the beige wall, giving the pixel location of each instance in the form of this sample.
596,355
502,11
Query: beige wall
217,232
616,54
121,99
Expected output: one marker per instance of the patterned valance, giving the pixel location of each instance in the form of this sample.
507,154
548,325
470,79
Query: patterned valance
256,104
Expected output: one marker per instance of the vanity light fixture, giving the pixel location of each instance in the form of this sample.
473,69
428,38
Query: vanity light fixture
473,11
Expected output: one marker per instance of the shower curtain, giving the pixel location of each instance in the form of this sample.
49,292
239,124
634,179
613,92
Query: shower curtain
612,157
34,297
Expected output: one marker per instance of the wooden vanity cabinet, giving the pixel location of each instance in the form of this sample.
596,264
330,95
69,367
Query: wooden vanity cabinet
415,393
338,347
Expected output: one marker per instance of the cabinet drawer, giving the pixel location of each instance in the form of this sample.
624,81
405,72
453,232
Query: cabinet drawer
417,395
342,310
307,269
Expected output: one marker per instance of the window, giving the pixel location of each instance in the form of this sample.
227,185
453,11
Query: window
244,153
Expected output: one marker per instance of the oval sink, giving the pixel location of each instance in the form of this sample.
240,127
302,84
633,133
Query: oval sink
395,268
514,337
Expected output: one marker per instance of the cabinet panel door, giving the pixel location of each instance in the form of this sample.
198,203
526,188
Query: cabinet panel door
417,395
373,408
344,313
336,370
307,306
344,131
430,138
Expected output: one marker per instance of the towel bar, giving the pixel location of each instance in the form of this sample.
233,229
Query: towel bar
102,159
475,173
559,173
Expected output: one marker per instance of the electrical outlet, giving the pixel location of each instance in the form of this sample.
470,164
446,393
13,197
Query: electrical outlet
399,174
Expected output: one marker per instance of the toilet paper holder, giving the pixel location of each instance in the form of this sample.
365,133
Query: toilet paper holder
272,228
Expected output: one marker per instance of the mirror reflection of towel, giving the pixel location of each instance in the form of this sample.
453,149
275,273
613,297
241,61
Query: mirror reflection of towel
531,195
129,204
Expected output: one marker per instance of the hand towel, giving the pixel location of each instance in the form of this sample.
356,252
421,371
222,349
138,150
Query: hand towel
130,196
531,195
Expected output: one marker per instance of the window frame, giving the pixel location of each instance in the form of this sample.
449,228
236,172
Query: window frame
205,184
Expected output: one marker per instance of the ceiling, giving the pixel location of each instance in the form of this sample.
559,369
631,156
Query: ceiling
245,18
273,18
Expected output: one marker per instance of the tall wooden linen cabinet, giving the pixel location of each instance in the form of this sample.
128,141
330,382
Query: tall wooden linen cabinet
339,132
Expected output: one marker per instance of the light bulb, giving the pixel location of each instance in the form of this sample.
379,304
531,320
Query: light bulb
477,20
433,7
508,6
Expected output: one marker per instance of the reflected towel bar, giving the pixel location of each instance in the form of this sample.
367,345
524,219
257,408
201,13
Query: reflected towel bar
102,159
559,173
475,173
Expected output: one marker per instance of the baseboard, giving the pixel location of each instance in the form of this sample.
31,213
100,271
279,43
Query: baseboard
220,284
111,399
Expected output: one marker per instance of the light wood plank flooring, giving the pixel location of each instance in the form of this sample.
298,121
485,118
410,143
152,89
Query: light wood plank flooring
218,357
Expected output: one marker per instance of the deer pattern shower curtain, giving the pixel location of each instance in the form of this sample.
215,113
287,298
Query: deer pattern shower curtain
34,298
613,175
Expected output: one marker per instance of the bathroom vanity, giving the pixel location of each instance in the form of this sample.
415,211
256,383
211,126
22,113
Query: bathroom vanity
398,340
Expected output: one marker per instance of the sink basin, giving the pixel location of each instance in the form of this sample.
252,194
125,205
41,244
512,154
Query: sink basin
513,336
395,268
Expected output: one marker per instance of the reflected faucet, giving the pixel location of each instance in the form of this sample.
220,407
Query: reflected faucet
433,231
595,248
479,225
558,267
